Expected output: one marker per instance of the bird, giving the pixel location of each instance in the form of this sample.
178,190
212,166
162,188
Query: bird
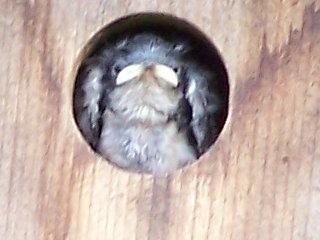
144,104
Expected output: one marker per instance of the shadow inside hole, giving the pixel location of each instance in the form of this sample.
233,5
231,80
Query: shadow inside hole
173,30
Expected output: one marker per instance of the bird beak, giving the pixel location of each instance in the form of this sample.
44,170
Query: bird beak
129,73
160,71
167,74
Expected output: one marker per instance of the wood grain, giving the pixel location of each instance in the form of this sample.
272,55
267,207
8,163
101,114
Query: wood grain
259,181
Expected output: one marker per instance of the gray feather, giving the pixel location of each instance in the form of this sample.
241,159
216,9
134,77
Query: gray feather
141,125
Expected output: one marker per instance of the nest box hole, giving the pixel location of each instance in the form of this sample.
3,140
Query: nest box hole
151,93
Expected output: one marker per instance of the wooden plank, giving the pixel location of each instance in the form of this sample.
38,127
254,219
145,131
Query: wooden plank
259,181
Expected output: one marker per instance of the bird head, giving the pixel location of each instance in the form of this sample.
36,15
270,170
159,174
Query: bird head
147,75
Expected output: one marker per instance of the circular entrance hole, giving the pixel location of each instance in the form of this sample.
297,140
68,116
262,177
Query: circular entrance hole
151,93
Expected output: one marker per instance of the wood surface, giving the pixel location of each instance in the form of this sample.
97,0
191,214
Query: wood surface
261,180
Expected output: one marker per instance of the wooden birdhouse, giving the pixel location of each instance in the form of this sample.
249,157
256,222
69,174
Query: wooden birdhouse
260,178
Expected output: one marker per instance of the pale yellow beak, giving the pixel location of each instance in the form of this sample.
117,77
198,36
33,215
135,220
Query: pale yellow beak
160,71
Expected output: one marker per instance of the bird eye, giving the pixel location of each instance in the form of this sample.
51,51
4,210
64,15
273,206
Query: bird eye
176,69
116,69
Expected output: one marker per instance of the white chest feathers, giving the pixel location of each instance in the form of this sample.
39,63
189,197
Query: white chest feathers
156,149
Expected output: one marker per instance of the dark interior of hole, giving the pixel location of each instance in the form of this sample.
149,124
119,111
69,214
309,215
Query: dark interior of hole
172,29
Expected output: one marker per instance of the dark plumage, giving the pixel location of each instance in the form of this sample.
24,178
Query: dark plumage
147,124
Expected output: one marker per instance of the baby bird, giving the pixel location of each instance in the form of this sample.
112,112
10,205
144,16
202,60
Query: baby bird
145,106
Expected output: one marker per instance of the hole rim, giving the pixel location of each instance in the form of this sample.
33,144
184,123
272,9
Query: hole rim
116,27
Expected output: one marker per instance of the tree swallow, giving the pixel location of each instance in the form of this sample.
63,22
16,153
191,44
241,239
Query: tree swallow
146,105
